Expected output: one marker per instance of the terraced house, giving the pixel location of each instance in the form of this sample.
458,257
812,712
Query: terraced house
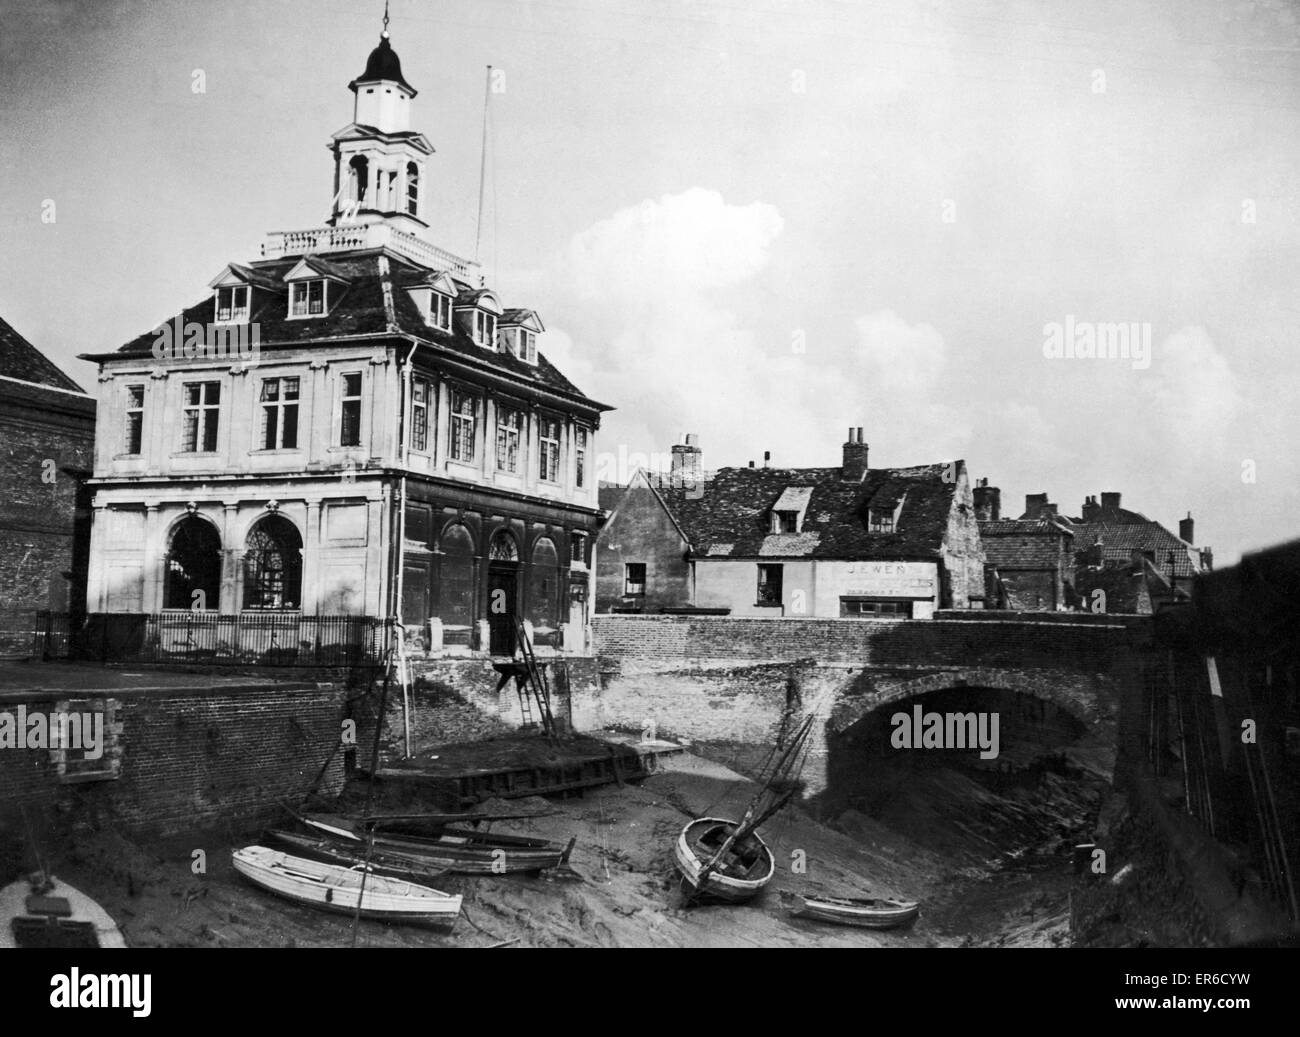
849,541
350,423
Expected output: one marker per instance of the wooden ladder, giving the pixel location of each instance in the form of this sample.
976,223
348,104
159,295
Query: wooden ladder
533,685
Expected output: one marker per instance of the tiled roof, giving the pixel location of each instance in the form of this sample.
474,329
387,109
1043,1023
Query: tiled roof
1023,543
1122,532
21,360
356,309
731,515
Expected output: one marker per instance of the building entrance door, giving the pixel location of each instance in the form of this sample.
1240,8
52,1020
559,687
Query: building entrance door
503,598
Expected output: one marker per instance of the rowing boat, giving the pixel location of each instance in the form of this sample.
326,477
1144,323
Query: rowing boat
865,912
333,851
738,874
467,851
46,912
331,887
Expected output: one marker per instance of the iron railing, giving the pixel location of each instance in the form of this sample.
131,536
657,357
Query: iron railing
184,636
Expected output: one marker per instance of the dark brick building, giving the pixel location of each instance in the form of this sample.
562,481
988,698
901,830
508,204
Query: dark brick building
47,437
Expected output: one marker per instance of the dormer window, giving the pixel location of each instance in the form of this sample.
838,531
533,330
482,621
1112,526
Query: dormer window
789,509
307,298
485,328
527,346
882,520
232,304
440,310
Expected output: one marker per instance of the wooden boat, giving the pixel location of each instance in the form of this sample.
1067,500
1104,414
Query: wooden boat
466,851
727,860
351,854
737,875
331,887
44,911
865,912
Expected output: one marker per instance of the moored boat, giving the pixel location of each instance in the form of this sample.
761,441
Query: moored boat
727,860
44,911
864,912
332,887
739,874
467,851
350,854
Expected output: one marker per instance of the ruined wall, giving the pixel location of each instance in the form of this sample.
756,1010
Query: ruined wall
187,758
455,700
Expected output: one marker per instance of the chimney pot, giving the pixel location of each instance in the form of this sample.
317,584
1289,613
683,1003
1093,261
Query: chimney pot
854,465
688,462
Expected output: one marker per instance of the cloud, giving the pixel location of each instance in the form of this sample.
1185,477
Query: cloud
1194,391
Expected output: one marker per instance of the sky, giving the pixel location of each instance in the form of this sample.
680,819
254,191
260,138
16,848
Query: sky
762,223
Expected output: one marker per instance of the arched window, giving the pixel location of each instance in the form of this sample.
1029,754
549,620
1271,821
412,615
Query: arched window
360,167
193,566
412,189
504,548
543,586
456,582
273,565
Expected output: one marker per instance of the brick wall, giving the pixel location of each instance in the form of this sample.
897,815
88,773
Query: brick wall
45,437
1087,646
189,758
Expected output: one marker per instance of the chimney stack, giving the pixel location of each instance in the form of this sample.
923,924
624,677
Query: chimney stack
767,458
688,462
988,501
854,468
1187,529
1034,503
1110,500
751,464
1091,509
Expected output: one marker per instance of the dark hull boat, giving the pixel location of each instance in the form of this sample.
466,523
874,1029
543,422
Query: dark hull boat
350,855
864,912
738,875
466,851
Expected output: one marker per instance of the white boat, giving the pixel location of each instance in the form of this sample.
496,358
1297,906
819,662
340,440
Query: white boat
43,911
332,887
727,860
735,875
865,912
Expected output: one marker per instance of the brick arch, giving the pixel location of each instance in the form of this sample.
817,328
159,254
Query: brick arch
1089,699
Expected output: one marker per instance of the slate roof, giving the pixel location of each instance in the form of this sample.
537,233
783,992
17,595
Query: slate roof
1120,539
730,515
1023,543
1123,531
21,360
356,309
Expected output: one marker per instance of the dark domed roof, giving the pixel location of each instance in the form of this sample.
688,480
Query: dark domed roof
383,64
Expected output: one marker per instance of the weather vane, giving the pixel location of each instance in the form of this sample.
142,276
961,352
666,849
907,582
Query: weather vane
385,18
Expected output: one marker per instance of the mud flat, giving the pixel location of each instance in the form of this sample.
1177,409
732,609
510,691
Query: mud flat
626,893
